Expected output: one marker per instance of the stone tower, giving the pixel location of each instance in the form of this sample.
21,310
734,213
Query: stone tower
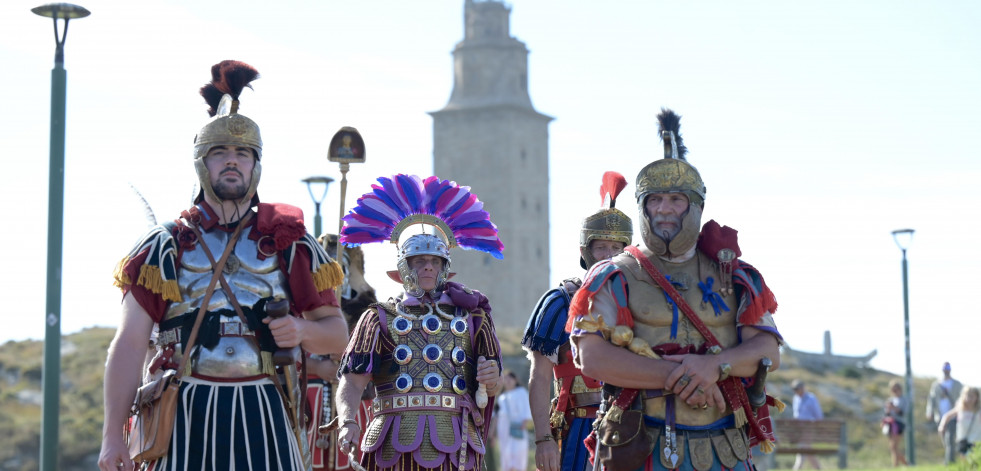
489,137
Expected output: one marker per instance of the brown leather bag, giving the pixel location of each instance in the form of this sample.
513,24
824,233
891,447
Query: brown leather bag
624,441
154,410
153,415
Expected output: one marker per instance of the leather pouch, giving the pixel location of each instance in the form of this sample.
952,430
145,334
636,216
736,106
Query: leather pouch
152,418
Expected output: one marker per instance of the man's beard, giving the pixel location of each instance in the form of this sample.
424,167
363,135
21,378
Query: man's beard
230,191
665,234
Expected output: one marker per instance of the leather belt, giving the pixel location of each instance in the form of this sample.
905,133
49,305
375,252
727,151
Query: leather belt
417,401
226,329
582,412
587,399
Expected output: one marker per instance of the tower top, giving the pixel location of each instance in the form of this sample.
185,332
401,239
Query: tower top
486,19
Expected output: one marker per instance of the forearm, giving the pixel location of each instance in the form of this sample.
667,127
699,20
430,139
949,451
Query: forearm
610,364
349,395
539,392
122,379
745,357
324,331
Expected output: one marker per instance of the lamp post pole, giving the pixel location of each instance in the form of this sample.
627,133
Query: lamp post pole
317,181
903,237
51,369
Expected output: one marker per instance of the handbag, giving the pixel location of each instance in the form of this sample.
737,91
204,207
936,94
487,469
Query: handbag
620,440
151,422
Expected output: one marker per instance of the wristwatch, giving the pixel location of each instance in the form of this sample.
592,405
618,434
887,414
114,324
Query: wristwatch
724,370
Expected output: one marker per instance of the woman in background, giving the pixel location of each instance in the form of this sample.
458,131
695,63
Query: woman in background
965,414
893,424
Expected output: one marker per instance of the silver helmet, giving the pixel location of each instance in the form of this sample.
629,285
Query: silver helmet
423,244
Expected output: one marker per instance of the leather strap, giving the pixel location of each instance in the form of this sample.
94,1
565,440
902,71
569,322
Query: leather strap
217,275
673,293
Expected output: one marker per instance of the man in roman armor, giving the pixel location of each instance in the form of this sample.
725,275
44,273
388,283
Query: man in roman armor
431,352
356,296
261,287
569,417
696,321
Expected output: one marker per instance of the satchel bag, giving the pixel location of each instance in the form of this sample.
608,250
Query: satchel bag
153,414
154,410
621,440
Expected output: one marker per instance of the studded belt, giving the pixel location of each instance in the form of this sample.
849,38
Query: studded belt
227,329
422,401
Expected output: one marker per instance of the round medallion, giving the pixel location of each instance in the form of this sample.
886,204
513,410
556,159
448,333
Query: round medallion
402,354
403,383
401,325
431,324
459,356
432,353
459,384
433,382
459,326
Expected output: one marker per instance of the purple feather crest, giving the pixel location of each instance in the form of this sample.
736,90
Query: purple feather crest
441,203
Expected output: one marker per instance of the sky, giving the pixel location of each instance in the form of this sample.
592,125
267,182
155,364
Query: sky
818,128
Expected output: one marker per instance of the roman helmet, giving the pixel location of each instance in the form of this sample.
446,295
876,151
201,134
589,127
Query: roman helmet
227,127
450,214
608,223
672,174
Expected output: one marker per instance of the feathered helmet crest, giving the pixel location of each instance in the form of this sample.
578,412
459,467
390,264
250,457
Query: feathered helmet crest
608,223
454,213
227,127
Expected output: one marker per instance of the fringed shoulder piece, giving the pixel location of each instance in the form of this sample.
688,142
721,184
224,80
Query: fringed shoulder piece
363,352
326,272
157,272
597,276
759,299
545,331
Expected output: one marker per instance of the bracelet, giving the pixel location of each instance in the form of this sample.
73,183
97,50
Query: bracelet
724,370
545,438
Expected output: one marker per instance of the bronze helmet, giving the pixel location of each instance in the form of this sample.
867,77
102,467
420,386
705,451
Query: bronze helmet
672,174
227,127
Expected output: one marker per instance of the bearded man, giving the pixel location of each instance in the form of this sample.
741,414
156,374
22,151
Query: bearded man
694,318
206,280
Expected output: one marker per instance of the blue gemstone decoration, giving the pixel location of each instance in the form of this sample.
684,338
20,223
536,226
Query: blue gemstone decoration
403,354
431,324
432,353
401,325
403,383
459,384
459,326
433,382
459,356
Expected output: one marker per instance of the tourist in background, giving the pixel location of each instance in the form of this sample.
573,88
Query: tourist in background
941,400
806,407
513,422
964,418
893,424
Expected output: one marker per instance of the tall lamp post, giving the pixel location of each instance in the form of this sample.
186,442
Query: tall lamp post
51,371
317,186
903,238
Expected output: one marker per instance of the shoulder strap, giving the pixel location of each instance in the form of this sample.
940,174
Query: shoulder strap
673,293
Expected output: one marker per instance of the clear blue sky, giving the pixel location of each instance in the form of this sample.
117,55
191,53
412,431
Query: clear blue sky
819,127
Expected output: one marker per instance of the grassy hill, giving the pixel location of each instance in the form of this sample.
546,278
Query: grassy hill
855,395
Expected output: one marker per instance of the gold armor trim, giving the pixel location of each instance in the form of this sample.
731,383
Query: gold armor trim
671,175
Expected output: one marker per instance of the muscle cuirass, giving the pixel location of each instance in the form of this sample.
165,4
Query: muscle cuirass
430,373
237,354
654,316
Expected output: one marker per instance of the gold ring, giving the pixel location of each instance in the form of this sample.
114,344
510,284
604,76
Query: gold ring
705,406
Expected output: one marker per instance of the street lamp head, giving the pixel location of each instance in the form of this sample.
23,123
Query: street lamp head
317,181
903,238
64,11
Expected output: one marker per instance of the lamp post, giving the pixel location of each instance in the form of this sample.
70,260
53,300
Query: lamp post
51,370
903,238
317,182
